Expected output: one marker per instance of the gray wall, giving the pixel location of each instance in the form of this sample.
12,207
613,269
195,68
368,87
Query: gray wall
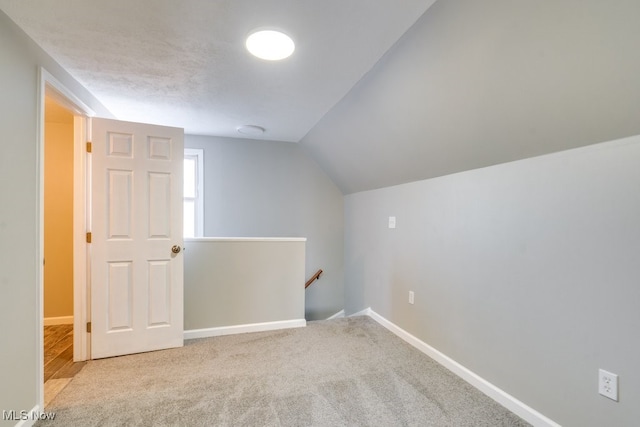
242,282
19,60
477,83
526,273
274,189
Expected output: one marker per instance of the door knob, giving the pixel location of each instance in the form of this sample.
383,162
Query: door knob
176,249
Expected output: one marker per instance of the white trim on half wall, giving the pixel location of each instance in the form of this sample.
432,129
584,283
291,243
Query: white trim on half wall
241,329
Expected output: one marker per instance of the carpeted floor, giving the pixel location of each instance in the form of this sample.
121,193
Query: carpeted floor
342,372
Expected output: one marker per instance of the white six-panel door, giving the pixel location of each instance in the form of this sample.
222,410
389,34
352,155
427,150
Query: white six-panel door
136,219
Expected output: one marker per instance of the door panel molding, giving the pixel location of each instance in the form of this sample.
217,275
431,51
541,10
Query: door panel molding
136,281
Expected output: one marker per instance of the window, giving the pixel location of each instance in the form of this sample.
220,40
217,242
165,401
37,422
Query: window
193,194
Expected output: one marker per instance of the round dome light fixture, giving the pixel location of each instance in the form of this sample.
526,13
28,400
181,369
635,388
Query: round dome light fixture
271,45
252,130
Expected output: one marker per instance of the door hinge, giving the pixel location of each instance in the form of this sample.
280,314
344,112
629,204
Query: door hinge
89,237
89,327
88,146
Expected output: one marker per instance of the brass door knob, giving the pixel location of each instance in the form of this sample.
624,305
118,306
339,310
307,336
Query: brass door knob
176,249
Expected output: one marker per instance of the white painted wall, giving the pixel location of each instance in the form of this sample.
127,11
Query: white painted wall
274,189
19,61
527,273
230,282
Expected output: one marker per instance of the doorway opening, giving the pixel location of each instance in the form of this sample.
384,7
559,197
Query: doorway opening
59,366
62,224
141,181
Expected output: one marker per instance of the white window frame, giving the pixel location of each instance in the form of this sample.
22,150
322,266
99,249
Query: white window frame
198,154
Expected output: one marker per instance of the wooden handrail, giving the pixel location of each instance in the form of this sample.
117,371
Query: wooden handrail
313,278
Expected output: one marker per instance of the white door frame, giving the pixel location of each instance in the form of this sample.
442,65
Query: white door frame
49,84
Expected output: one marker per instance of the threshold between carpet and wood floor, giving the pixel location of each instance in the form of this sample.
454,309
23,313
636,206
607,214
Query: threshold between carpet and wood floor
346,371
59,367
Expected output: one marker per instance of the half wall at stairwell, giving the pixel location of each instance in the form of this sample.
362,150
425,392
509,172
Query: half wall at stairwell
236,285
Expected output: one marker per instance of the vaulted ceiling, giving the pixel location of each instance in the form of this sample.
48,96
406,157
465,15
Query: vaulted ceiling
183,62
379,92
478,83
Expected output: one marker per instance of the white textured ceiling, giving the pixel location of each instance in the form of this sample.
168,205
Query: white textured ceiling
183,63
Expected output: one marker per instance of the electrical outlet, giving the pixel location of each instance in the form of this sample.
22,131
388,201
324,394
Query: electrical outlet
608,384
410,297
392,222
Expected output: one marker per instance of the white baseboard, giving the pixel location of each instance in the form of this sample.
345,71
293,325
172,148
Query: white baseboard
241,329
366,312
63,320
511,403
338,315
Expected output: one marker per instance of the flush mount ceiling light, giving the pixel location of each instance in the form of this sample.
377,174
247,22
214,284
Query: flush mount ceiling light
252,130
270,45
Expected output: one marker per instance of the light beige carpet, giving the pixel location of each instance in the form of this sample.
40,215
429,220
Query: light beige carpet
342,372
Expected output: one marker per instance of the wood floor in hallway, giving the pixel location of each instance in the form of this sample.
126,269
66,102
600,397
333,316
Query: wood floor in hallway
59,367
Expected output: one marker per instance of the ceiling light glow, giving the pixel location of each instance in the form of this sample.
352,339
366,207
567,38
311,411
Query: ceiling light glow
270,45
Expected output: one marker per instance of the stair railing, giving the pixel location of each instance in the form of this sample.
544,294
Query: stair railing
313,278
